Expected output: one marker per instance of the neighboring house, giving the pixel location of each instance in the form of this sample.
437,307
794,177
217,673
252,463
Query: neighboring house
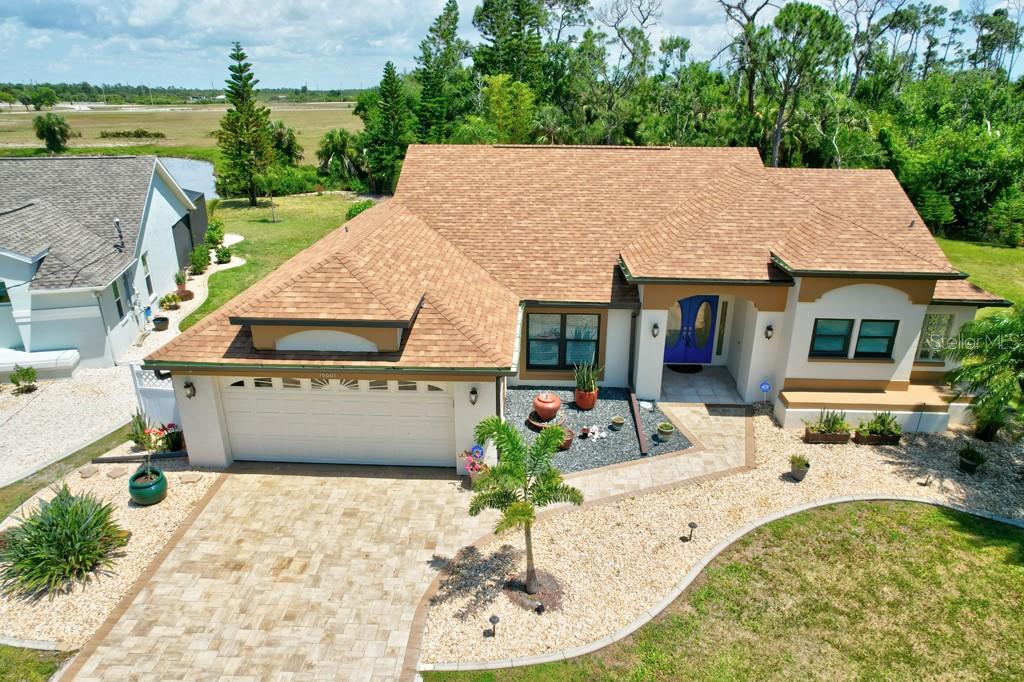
86,245
388,340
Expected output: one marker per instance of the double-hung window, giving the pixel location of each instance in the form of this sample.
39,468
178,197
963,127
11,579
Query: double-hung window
936,330
876,338
561,340
145,271
831,338
118,299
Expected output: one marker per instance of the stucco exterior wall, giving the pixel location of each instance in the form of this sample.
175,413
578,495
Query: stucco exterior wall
202,421
467,416
156,239
70,319
650,353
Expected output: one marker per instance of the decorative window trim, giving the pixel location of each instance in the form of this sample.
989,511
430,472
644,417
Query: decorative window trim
846,338
889,345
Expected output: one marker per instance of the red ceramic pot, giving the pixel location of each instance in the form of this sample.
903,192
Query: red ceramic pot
547,405
585,400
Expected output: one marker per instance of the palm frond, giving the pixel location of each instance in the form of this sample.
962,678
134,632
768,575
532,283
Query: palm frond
508,441
516,515
498,499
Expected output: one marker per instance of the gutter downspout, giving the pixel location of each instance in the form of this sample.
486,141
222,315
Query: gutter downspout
632,349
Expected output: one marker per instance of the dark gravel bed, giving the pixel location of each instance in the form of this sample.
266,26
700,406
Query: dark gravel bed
591,453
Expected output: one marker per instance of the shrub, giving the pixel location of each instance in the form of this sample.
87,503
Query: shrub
24,378
357,208
881,424
830,421
139,425
214,233
799,462
170,301
63,542
223,254
138,133
199,259
281,180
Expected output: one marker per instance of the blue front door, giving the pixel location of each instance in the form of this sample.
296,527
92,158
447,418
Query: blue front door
691,331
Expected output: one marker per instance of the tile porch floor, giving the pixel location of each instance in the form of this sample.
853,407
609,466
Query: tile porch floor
713,384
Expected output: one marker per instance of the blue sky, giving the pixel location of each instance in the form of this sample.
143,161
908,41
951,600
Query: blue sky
325,43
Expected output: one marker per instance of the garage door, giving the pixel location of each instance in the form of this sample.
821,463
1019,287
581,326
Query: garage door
339,421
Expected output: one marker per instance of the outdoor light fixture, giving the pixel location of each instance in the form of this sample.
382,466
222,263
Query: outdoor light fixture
769,332
190,390
473,396
655,330
687,538
493,632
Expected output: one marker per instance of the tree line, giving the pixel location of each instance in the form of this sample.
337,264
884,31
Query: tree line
40,95
892,84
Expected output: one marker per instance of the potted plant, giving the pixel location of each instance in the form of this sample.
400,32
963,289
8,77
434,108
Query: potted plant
170,301
180,278
174,438
970,459
475,465
586,385
881,429
148,485
798,467
831,427
665,431
161,323
617,423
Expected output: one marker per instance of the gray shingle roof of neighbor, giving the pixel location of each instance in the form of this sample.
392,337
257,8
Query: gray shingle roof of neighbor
70,203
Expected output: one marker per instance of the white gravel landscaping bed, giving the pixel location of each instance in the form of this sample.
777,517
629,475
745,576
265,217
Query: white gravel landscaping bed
71,619
617,560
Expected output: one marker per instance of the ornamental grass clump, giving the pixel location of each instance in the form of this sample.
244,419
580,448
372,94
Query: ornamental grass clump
830,421
65,541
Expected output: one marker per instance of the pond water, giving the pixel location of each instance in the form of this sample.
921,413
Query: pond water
191,174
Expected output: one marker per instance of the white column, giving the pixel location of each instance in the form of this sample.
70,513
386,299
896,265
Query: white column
468,415
202,420
650,353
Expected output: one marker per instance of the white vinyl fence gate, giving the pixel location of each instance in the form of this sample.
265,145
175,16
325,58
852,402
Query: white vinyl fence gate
155,396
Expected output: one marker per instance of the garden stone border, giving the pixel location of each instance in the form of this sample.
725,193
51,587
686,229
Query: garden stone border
37,644
677,591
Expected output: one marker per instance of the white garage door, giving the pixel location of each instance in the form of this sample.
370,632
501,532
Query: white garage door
344,421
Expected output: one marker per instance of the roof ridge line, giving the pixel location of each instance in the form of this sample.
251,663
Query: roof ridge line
382,296
853,222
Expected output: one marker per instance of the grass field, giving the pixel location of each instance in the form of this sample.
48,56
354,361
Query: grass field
875,591
28,665
998,269
185,126
301,221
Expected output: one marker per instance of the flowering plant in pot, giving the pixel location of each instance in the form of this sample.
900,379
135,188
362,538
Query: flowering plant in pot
586,385
148,485
174,439
475,465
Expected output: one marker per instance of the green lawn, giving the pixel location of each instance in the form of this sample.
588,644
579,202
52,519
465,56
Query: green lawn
211,154
28,665
301,221
998,269
893,591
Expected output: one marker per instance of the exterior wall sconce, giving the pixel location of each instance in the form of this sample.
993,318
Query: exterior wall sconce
473,395
769,332
190,390
655,330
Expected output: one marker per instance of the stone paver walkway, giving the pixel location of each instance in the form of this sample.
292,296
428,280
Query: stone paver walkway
298,571
722,443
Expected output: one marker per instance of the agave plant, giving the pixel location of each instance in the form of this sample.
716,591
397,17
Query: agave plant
64,541
586,376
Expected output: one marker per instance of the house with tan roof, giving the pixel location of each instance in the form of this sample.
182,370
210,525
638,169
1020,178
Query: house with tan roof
389,339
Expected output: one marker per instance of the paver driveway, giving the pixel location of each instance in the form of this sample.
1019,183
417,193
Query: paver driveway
292,571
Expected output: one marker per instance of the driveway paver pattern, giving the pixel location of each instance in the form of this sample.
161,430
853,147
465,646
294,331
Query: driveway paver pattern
293,571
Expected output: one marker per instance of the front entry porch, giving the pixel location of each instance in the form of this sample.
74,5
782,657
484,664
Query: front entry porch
712,384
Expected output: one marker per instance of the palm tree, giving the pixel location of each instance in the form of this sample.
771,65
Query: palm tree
522,481
991,350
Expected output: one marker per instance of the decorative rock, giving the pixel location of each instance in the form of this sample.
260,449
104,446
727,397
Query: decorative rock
115,472
190,477
88,471
646,405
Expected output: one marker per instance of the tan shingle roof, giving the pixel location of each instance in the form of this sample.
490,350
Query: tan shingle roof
962,291
473,231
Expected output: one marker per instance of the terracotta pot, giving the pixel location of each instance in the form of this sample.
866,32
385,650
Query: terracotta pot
547,405
181,287
567,443
585,400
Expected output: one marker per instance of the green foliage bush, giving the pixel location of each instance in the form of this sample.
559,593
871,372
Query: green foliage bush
282,180
357,208
1006,219
830,421
24,378
63,542
139,424
881,424
214,233
138,133
223,254
199,259
53,130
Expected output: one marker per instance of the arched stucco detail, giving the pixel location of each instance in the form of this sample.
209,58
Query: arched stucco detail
918,292
326,339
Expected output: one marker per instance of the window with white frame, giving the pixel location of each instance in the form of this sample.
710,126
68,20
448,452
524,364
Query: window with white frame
119,301
145,271
937,328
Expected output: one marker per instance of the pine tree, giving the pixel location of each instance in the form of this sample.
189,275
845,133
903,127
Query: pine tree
511,32
244,136
388,132
445,84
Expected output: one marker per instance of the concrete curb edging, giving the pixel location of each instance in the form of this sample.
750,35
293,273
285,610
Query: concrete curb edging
37,644
649,614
